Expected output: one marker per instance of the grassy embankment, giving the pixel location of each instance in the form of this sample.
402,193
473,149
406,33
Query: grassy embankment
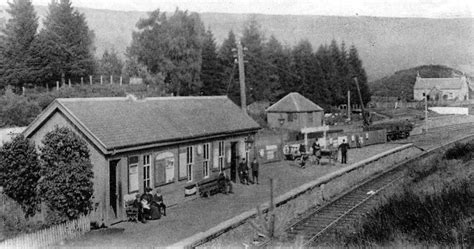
433,207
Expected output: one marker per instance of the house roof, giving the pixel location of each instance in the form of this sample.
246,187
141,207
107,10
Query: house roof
114,123
294,102
439,83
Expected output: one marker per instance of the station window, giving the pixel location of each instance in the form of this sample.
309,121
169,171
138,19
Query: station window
221,155
205,162
146,171
189,163
132,174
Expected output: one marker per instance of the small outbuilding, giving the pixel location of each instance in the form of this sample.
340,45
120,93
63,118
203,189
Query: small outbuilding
441,88
169,143
294,112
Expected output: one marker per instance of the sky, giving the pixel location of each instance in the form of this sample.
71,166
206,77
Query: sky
388,8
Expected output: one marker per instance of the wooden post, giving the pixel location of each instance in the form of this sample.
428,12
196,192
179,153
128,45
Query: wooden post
120,80
69,81
271,211
90,79
101,81
57,85
23,90
82,81
240,56
111,79
349,105
47,87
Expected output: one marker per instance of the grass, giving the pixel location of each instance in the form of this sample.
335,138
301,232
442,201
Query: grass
434,207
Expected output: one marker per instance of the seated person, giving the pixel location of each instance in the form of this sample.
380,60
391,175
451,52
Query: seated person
137,204
158,202
146,209
225,185
150,211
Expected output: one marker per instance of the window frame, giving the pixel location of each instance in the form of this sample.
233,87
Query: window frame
189,163
146,171
130,165
206,158
221,155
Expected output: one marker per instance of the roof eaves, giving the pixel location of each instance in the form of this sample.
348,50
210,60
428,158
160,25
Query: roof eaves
41,118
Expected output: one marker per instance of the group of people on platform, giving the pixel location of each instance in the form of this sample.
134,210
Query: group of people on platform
150,205
244,169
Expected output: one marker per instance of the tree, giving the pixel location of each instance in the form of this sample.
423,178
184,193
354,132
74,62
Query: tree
230,71
65,45
257,84
110,64
357,70
211,69
15,44
66,170
19,172
278,68
171,46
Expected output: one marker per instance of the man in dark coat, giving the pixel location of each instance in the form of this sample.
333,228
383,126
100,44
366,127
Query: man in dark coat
243,172
254,165
344,147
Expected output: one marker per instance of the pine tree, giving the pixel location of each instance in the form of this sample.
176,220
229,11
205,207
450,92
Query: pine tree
65,45
15,44
230,70
277,69
257,84
211,69
357,70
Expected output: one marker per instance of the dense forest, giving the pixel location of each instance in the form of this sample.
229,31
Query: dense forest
174,52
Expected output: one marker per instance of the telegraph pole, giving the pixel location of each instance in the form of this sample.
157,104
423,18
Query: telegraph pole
240,58
349,104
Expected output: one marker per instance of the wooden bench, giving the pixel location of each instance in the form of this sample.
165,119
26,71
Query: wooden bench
131,211
207,187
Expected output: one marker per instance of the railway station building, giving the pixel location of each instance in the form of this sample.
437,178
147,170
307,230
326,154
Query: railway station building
436,89
294,112
170,143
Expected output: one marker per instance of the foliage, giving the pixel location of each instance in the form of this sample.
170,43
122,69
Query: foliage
230,71
401,83
19,172
110,64
15,44
211,69
464,151
66,170
171,46
16,110
64,48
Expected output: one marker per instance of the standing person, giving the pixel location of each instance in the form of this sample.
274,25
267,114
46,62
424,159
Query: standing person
255,167
344,147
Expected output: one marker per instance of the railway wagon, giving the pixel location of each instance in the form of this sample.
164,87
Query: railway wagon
396,129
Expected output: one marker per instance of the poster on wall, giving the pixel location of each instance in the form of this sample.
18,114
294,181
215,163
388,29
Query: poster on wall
271,151
182,165
164,167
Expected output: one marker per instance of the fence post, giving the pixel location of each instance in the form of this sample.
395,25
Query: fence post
47,87
90,79
23,90
82,81
57,85
111,79
69,81
101,80
120,80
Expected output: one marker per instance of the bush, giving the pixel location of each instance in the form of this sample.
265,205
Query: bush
462,151
19,172
16,110
66,184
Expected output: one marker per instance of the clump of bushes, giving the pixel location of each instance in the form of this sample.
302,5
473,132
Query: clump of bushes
460,151
16,110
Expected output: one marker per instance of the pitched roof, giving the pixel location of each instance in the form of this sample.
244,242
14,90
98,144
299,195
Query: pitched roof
294,102
440,83
127,122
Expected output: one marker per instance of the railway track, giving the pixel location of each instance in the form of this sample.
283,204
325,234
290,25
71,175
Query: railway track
315,225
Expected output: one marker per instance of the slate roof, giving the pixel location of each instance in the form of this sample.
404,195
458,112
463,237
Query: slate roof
294,102
127,122
439,83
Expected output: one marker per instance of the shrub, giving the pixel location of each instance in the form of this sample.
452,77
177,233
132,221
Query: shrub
16,110
66,184
462,151
19,172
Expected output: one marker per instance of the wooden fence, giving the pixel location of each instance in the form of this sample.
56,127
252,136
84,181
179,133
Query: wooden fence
47,237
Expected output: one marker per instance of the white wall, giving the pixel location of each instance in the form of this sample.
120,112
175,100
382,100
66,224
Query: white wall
451,110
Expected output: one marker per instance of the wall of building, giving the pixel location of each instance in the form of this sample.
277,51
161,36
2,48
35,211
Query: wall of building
100,200
299,120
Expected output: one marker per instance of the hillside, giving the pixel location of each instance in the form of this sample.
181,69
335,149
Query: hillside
401,82
385,44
